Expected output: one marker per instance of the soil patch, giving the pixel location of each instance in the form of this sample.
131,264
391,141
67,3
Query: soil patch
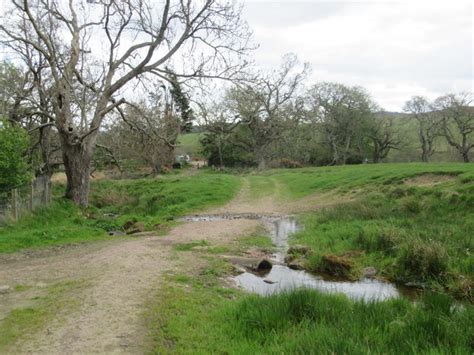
427,180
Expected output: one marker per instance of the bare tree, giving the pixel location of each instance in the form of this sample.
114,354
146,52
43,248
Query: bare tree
94,52
383,137
150,130
428,124
457,117
269,106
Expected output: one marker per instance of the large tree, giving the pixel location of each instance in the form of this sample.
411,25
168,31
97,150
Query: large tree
269,105
342,112
428,124
382,135
94,52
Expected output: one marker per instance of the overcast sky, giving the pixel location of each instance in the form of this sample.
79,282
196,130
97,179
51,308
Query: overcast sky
395,49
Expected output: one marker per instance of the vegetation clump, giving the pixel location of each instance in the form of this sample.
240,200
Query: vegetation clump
14,170
303,321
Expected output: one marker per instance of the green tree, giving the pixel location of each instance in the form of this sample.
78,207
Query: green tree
343,114
13,166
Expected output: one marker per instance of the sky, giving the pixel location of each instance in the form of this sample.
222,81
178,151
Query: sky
394,49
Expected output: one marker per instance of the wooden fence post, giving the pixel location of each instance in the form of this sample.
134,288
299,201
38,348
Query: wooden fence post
50,191
15,204
45,192
32,195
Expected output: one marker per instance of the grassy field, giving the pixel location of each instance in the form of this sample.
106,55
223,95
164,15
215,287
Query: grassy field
413,222
153,203
302,182
198,315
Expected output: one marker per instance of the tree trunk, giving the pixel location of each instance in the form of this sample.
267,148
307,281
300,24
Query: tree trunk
465,156
424,155
221,160
376,153
77,163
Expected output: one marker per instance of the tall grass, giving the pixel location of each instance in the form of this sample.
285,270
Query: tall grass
202,320
153,202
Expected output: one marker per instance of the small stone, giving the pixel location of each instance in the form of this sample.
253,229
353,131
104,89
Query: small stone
269,281
132,227
369,271
116,233
4,289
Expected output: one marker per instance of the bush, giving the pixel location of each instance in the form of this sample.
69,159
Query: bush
411,205
376,238
422,261
13,167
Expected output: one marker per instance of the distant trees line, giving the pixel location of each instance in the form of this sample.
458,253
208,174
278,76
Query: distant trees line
276,121
66,95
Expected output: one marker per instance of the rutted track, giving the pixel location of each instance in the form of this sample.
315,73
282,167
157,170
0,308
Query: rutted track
121,276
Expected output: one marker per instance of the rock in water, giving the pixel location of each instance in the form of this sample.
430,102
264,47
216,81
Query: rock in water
263,265
269,281
336,265
295,265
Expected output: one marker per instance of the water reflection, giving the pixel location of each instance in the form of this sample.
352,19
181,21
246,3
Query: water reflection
282,278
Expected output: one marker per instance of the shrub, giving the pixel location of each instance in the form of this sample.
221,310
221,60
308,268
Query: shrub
376,238
291,164
422,261
411,205
13,166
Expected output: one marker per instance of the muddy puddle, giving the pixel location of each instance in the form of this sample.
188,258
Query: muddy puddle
282,278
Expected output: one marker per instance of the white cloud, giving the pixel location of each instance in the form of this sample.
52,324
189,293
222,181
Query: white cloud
395,49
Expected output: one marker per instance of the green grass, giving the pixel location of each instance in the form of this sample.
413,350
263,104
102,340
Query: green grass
190,246
256,241
21,323
261,186
59,223
156,201
189,143
416,234
302,182
196,315
153,202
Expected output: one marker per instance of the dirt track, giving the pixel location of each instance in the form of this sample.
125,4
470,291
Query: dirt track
118,277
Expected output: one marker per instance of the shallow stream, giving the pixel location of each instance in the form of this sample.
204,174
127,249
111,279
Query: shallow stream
281,277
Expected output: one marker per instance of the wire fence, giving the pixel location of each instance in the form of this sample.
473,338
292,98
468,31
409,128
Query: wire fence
21,201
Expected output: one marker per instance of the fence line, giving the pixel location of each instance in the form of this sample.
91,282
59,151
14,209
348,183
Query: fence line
21,201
